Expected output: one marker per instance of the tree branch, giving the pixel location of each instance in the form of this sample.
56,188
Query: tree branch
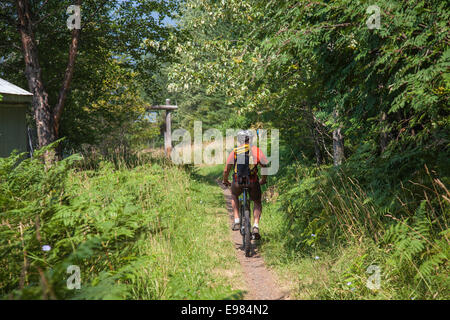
43,5
68,74
42,19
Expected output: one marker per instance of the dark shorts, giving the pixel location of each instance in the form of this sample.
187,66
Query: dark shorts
254,190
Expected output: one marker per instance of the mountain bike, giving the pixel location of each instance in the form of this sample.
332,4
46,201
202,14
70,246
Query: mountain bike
244,216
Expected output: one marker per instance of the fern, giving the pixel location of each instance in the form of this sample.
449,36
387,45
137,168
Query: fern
413,250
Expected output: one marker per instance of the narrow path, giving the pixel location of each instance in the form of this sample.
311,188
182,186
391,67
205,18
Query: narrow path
261,283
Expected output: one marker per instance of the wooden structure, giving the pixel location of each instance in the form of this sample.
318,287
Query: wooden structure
14,104
168,132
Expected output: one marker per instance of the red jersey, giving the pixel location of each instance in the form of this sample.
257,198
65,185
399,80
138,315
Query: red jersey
257,157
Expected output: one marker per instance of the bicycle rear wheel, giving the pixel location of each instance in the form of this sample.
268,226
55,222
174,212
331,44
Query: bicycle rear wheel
247,233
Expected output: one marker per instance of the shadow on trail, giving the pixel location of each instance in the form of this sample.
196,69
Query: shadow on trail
239,295
261,284
238,244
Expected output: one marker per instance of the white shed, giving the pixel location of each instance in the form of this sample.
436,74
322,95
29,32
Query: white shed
14,102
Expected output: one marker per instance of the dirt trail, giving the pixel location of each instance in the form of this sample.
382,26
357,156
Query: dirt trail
260,282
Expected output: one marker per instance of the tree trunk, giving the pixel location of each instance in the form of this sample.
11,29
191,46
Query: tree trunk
47,118
338,143
68,74
41,108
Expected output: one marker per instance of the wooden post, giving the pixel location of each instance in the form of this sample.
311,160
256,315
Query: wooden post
168,133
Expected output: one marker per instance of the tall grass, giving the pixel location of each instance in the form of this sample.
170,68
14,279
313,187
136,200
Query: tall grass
140,229
326,230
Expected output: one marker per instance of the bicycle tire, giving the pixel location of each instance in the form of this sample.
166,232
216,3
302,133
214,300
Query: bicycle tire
247,233
241,218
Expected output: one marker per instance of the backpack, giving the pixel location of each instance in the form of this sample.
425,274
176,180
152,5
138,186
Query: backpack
242,167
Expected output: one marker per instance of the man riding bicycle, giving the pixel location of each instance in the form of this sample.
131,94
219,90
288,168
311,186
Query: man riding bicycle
258,158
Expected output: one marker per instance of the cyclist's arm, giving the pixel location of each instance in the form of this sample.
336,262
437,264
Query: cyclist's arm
226,172
228,167
263,176
262,161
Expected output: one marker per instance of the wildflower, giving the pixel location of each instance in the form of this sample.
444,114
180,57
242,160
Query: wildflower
316,257
46,247
313,234
349,283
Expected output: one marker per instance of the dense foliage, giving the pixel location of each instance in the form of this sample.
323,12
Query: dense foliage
317,72
364,123
112,82
137,231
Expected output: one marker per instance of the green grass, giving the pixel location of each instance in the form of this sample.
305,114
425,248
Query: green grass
195,251
152,231
314,271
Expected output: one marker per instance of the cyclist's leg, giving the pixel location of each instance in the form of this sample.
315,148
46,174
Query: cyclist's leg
257,209
255,195
236,190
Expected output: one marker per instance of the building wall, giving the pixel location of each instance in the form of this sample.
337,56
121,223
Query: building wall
13,129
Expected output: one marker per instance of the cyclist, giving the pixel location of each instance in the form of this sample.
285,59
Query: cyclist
244,140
